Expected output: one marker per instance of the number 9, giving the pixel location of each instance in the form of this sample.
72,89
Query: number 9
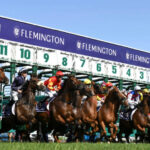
46,57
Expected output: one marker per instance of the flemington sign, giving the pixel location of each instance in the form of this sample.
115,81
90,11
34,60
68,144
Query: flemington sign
22,42
58,40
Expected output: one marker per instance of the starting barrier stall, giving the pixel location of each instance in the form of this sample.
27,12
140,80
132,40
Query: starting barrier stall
25,44
1,100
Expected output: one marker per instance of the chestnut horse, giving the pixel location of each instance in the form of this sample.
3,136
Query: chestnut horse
140,120
89,107
3,78
107,115
65,110
88,113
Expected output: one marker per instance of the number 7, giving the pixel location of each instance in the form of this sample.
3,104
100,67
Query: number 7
83,62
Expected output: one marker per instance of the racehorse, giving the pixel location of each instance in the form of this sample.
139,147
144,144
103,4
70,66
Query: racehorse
89,111
140,120
107,115
24,107
3,77
89,124
66,107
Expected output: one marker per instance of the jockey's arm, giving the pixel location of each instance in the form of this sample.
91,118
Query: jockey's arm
99,98
46,82
58,87
49,85
129,98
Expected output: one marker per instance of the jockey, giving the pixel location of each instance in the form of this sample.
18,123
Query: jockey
109,85
101,97
18,84
17,88
134,97
145,91
53,84
88,83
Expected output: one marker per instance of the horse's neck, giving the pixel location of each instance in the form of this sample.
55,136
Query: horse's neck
112,104
29,96
92,101
145,109
66,96
76,100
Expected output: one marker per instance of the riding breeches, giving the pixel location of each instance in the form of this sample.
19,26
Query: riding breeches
16,95
51,93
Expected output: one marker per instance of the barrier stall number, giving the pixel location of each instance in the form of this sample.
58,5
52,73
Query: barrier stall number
24,54
128,73
5,51
65,61
98,68
82,64
46,58
113,70
141,75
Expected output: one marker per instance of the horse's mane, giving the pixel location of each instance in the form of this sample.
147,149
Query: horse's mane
1,69
25,86
63,87
109,95
141,105
64,84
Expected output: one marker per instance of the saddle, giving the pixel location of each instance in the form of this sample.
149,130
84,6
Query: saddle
8,109
42,105
125,114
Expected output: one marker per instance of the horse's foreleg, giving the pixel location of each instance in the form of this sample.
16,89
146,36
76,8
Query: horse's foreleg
113,130
140,128
103,132
148,125
60,119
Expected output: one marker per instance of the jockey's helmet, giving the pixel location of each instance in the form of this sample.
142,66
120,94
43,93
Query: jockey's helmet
109,84
137,88
87,81
103,84
23,70
146,91
59,73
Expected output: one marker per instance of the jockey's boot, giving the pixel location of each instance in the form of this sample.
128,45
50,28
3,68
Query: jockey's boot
8,107
40,103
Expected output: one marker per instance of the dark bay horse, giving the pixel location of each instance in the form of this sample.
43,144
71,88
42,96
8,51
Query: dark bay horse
65,110
107,115
3,77
140,120
24,107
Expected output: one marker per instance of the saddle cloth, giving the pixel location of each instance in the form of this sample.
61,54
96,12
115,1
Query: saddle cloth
8,110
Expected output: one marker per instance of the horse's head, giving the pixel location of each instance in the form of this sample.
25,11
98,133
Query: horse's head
98,89
146,100
116,94
87,89
3,78
73,83
36,84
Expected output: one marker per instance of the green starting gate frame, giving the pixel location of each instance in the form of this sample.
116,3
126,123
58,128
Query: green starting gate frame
1,104
68,58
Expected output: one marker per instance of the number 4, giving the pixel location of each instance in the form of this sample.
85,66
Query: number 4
128,72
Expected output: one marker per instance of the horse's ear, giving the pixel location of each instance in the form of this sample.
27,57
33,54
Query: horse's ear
1,69
33,75
70,75
93,83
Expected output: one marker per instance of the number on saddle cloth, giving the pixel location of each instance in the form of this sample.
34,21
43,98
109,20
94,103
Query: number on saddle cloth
125,114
